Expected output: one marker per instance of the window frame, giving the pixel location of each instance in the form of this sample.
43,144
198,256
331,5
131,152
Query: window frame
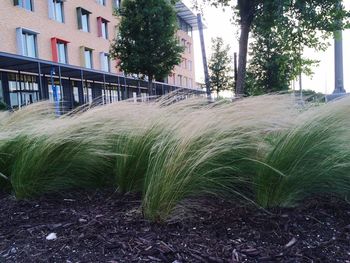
53,11
103,2
55,50
102,27
90,50
22,45
117,4
80,13
103,56
22,4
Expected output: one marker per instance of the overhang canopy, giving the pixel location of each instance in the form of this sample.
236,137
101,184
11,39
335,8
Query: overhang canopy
187,15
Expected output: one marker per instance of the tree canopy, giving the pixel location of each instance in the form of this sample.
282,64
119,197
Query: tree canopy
283,26
146,43
220,67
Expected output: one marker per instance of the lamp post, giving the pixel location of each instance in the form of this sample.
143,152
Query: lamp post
204,56
338,60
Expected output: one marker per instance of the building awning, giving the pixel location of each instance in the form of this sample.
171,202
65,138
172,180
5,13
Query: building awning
17,63
187,15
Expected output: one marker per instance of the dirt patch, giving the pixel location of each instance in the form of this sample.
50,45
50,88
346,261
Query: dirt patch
107,227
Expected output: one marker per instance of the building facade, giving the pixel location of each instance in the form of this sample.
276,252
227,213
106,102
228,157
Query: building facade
46,44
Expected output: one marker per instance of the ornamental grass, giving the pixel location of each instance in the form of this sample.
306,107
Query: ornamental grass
269,150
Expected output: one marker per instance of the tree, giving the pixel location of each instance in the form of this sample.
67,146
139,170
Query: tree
219,66
276,52
146,43
310,15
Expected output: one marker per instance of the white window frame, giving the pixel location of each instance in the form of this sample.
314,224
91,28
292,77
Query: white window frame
22,4
22,44
104,29
54,13
91,64
105,66
116,4
65,46
101,2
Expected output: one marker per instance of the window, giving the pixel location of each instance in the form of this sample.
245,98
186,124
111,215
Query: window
26,4
56,10
184,63
189,47
83,19
189,31
59,50
62,52
101,2
87,57
183,42
179,80
23,89
27,42
102,27
189,65
105,62
117,4
185,82
184,26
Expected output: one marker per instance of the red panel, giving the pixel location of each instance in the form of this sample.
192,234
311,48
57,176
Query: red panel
54,49
99,26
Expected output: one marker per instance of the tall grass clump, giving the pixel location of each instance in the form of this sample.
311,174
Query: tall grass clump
267,149
131,153
49,164
205,149
310,158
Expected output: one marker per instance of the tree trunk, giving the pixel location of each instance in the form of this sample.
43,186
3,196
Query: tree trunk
242,59
246,12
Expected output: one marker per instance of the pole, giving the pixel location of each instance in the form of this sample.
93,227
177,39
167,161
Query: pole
54,90
338,62
338,58
301,86
235,65
204,56
40,82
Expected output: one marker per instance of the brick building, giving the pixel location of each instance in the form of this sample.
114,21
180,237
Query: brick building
66,43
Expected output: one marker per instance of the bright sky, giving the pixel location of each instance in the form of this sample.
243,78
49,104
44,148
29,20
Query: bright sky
219,24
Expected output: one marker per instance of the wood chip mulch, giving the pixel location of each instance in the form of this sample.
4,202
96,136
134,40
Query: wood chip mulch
107,227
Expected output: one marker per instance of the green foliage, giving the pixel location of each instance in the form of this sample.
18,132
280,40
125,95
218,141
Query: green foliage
132,153
265,149
55,164
281,31
180,168
220,67
146,43
309,159
3,106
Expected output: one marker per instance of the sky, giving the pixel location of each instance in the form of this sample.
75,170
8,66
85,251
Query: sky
218,23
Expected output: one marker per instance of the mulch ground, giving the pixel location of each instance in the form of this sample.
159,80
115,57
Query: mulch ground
107,227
